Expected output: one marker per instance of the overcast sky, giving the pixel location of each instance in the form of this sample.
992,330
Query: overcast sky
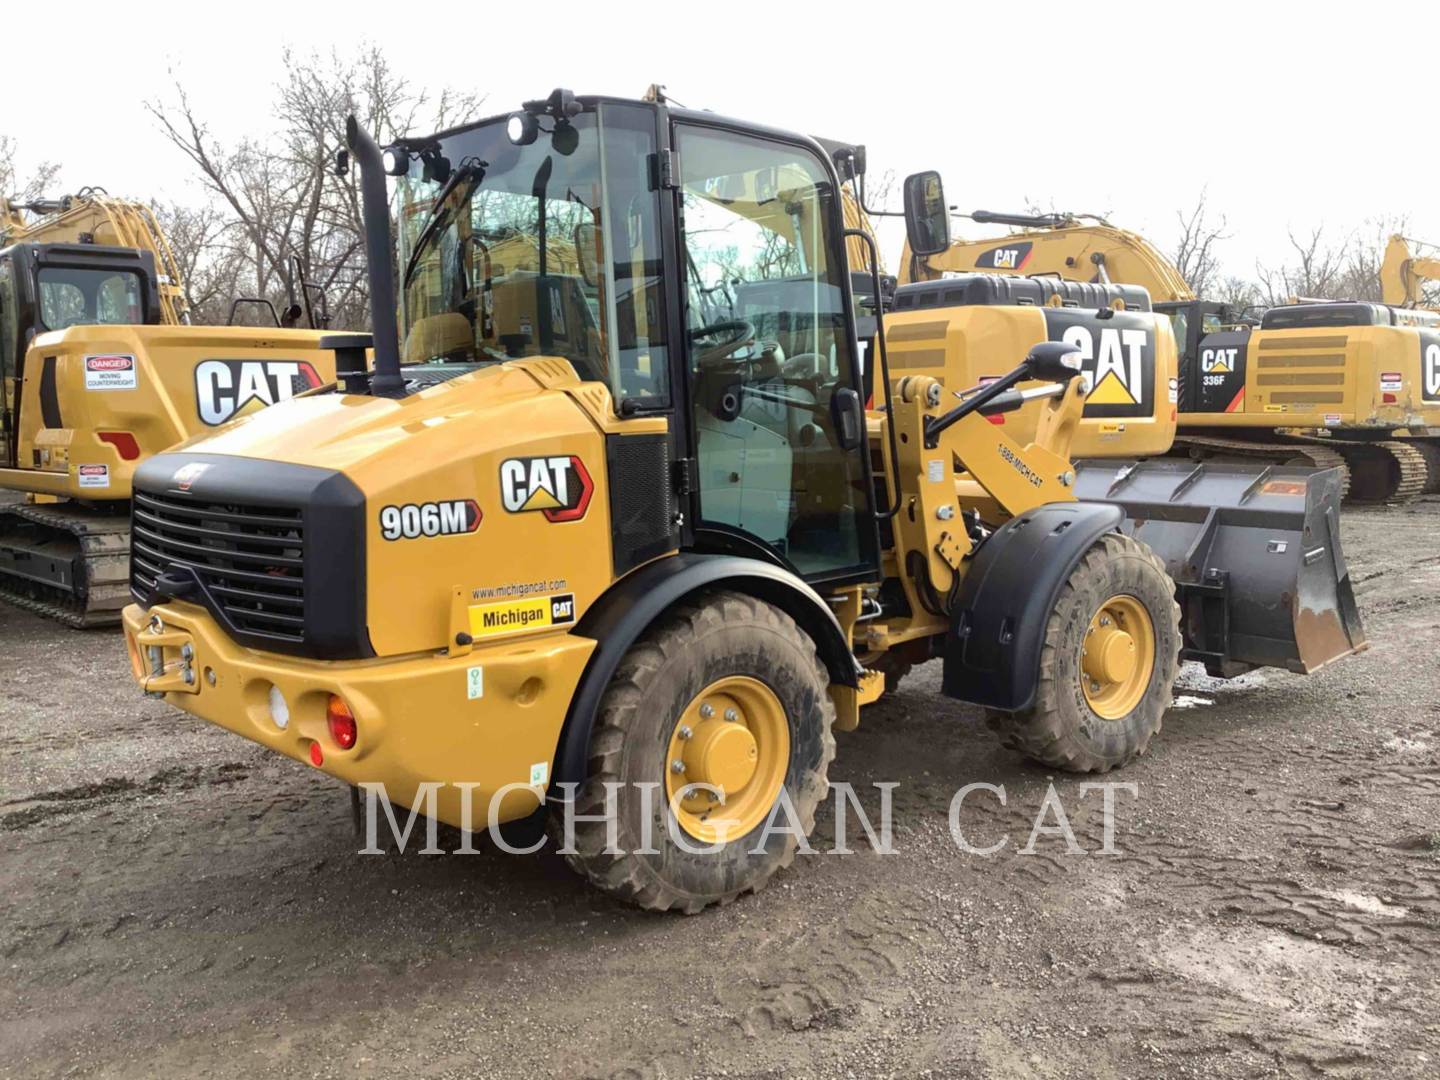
1289,115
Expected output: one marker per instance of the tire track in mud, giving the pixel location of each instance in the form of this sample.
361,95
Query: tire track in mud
43,806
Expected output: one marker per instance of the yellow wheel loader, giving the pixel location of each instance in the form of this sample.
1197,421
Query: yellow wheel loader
97,373
1353,386
621,542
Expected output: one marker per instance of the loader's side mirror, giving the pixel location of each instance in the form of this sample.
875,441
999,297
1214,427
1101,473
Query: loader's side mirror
927,214
1054,361
587,253
342,162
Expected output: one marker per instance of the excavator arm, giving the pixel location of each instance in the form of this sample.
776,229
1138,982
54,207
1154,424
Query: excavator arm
1403,275
1056,244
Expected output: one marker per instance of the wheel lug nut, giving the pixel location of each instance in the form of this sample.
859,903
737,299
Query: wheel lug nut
732,715
677,766
706,711
685,731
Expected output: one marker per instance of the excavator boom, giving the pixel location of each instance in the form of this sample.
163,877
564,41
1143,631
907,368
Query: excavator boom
1058,245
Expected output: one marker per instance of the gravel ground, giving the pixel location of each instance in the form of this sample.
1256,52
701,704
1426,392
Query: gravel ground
175,901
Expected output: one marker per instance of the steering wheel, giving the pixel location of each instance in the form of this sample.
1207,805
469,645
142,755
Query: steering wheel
740,332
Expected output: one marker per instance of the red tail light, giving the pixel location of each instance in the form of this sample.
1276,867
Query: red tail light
998,419
1388,399
342,722
123,441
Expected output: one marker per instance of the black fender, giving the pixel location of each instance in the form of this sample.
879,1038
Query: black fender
629,606
992,655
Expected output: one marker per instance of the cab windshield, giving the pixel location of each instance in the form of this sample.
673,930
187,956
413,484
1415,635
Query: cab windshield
549,249
71,297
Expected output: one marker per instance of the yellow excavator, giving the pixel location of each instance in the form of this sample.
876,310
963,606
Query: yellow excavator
99,369
92,217
1351,385
628,545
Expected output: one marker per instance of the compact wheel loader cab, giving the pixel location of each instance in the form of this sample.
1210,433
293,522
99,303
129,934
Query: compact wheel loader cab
618,536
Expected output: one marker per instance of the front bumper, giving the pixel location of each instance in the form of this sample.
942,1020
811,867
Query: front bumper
419,719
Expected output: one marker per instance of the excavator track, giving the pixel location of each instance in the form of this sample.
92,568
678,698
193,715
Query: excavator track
1392,487
1385,471
67,563
1430,451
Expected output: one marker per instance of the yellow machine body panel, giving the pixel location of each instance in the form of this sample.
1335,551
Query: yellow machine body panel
1131,409
1383,378
96,401
525,445
422,717
531,458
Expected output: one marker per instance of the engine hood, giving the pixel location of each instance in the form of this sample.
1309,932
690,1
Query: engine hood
347,431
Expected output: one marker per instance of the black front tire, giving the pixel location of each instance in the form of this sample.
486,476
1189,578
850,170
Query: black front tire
1061,729
688,649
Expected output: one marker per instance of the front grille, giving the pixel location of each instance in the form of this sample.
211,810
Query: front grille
248,559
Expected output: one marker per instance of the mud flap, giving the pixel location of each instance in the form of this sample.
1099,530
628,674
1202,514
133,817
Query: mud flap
1255,553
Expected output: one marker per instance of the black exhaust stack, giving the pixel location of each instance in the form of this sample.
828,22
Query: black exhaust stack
385,381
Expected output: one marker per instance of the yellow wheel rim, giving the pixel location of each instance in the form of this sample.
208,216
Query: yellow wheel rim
733,736
1117,657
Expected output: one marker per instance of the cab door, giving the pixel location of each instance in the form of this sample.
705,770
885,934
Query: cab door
777,427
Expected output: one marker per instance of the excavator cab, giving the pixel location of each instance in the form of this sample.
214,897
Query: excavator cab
47,287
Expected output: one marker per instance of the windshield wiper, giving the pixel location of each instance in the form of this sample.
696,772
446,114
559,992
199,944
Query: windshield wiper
471,172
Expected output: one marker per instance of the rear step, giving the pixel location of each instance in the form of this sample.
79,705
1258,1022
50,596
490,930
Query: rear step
1254,551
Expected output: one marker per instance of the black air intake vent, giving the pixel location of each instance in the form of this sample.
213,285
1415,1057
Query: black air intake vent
642,499
274,551
249,558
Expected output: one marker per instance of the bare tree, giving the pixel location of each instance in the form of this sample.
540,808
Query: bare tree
280,197
1194,254
36,183
1318,272
210,263
1241,296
